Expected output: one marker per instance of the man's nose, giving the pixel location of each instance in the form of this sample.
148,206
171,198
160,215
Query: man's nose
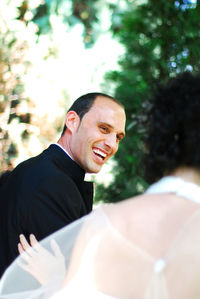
111,142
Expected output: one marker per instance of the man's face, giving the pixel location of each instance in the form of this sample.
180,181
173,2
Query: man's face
96,138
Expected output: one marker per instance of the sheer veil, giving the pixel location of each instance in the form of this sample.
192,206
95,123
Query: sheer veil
95,258
16,283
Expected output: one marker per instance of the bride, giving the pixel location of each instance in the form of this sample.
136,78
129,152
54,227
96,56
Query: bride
146,247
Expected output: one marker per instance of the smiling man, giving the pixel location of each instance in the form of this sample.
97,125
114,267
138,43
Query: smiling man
94,138
47,192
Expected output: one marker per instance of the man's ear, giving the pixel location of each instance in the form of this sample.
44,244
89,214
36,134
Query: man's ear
72,121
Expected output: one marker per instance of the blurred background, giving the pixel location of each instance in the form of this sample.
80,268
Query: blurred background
53,51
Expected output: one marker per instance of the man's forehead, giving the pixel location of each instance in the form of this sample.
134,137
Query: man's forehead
107,111
102,101
109,116
106,108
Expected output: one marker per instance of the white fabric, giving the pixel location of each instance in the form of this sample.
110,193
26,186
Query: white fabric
145,248
176,185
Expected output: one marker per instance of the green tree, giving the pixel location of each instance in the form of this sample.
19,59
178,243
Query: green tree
18,119
160,38
12,99
70,12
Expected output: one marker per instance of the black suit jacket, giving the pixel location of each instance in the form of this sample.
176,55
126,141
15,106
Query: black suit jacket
40,196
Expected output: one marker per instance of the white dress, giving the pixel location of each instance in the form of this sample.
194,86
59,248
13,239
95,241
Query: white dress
109,259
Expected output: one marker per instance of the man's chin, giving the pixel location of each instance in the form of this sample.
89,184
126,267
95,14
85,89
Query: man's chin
94,169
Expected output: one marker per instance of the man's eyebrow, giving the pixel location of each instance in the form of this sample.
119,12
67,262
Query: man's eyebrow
111,127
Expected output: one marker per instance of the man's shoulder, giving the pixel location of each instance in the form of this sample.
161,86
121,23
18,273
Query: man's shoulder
45,157
4,176
46,170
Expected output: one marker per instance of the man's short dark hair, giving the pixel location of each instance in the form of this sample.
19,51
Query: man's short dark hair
84,103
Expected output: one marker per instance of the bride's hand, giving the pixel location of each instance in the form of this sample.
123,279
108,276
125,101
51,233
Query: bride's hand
40,263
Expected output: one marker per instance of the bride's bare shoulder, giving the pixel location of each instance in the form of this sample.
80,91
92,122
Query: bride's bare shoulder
143,208
140,202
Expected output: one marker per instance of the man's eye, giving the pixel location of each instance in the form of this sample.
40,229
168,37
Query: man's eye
119,138
104,129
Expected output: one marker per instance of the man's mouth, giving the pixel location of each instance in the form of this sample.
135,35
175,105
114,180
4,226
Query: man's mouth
102,155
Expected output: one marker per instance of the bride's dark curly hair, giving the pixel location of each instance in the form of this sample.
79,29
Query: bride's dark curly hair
173,127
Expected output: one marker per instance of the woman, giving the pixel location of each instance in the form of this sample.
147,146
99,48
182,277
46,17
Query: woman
143,247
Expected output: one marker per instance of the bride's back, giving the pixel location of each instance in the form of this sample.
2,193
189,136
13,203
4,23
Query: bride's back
146,247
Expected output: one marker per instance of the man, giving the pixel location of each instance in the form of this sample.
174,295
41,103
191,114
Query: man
47,192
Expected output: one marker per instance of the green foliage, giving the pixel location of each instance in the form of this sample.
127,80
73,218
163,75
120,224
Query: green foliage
160,38
22,128
12,68
71,12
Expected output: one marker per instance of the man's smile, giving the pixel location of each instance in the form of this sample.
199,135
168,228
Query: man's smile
99,153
